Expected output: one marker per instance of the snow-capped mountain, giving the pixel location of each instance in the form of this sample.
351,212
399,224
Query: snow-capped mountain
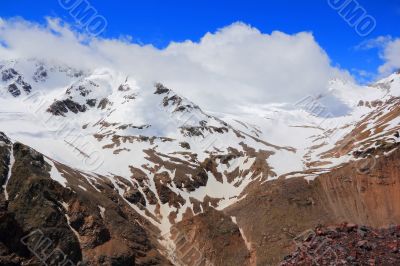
160,157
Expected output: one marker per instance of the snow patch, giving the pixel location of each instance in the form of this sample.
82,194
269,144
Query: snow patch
102,211
10,166
55,174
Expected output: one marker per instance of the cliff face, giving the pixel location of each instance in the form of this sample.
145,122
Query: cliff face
285,208
370,198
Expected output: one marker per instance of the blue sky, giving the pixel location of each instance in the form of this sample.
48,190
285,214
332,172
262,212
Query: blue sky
159,22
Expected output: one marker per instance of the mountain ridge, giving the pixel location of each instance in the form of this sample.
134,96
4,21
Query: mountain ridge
170,162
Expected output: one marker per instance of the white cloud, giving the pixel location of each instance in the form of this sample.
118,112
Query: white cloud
391,57
389,52
235,66
378,42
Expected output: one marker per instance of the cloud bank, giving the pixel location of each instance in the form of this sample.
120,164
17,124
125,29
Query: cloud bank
233,67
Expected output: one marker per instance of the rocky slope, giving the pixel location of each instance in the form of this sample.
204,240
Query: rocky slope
116,172
347,244
58,224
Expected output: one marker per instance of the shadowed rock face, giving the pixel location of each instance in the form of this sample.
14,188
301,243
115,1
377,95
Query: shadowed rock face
160,89
35,204
72,219
61,107
13,89
8,74
16,83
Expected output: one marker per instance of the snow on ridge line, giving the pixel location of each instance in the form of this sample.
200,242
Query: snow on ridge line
137,112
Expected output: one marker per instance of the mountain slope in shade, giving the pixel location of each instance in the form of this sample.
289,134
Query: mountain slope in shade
85,223
173,167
